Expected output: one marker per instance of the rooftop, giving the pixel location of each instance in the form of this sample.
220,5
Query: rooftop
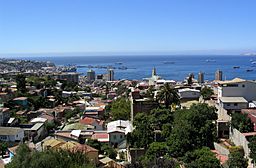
9,130
37,126
235,80
233,100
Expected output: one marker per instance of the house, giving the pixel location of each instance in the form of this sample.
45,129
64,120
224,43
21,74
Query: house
4,116
237,88
117,131
107,162
38,131
144,105
11,134
94,111
22,101
188,93
101,136
232,104
98,124
52,144
90,152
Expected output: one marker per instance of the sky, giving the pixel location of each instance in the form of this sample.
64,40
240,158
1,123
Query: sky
127,26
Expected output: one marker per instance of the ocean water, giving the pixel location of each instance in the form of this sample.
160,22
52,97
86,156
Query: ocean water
140,67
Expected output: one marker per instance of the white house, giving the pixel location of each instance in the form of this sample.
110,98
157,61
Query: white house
233,103
11,134
117,131
188,93
237,88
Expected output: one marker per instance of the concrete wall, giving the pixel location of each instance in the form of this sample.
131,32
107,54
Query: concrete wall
221,149
239,140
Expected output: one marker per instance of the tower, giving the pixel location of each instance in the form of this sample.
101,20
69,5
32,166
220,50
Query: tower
154,71
200,77
218,75
110,74
91,75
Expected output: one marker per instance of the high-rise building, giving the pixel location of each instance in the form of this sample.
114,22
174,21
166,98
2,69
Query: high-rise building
218,75
200,77
111,75
91,75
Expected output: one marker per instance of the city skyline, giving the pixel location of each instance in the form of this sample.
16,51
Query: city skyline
127,27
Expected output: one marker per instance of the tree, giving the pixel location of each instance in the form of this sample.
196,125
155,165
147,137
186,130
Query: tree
146,125
37,102
102,148
168,94
236,158
201,158
206,92
109,151
156,150
21,83
192,129
143,134
121,109
161,119
252,146
50,158
241,122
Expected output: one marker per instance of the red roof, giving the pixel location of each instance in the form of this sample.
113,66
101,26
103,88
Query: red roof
102,137
90,121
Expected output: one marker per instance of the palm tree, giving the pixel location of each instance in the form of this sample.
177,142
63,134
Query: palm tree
169,95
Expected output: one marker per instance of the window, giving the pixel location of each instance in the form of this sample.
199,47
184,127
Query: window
121,136
228,104
235,104
114,136
243,85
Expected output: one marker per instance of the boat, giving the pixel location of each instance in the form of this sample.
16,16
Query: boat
210,60
118,63
123,68
168,62
249,70
236,67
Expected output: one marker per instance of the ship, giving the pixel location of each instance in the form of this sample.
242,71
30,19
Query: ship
168,62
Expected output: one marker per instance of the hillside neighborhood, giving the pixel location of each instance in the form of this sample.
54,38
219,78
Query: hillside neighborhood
111,123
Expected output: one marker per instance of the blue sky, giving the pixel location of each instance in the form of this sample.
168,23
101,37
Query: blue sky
127,26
